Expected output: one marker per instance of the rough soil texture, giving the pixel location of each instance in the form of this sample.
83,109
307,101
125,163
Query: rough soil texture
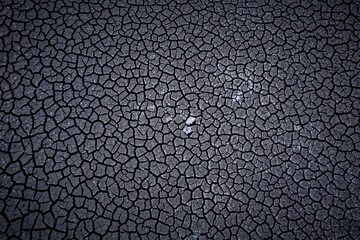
174,120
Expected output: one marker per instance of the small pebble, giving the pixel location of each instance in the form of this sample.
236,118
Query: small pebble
190,120
187,130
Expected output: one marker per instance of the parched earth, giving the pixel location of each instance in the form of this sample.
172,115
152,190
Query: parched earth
179,120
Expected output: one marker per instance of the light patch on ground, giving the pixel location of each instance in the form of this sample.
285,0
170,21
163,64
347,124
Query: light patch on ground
187,130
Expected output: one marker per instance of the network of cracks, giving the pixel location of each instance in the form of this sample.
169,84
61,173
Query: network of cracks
179,119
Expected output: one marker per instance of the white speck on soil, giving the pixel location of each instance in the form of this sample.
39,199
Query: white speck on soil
237,96
190,120
187,130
